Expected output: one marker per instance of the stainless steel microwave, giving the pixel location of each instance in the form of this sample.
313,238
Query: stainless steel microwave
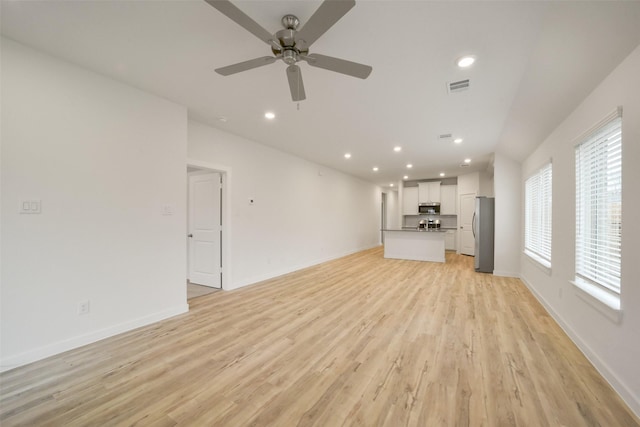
429,208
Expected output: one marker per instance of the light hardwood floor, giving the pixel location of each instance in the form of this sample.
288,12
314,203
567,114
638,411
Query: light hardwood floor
358,341
195,291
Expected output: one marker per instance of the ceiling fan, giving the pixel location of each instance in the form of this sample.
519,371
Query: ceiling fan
292,45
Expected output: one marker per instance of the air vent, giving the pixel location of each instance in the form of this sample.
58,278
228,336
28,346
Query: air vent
464,165
444,136
458,86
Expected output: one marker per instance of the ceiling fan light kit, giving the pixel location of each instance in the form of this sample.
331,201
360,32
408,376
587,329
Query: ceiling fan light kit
291,45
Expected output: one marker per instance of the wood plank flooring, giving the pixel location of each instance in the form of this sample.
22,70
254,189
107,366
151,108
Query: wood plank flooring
361,340
195,291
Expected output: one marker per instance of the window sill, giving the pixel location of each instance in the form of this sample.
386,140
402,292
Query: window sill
541,263
604,301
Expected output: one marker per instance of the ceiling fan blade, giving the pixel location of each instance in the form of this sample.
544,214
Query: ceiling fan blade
246,65
338,65
239,17
329,12
295,83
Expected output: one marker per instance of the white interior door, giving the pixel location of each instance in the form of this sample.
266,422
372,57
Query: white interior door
467,207
205,230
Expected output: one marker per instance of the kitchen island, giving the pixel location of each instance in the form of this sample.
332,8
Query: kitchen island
414,244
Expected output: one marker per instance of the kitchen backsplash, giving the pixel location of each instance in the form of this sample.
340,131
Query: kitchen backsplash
446,221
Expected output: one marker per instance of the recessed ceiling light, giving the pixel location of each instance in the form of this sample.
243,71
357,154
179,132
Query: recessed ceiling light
466,61
409,166
467,160
457,140
375,169
347,155
441,173
405,177
269,115
397,148
391,185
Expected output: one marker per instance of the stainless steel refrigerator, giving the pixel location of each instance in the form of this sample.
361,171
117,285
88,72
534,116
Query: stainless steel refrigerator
483,231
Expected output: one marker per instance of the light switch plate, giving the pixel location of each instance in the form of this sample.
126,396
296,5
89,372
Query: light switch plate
35,206
30,206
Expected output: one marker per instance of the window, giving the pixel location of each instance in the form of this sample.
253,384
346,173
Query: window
599,210
537,216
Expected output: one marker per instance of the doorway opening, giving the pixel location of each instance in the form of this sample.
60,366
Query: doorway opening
206,229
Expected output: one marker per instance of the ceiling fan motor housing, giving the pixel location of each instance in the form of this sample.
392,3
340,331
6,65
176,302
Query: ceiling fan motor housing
287,40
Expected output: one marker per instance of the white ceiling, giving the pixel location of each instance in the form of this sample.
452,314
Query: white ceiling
536,62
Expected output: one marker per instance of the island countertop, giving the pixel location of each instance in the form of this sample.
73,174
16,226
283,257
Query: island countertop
418,230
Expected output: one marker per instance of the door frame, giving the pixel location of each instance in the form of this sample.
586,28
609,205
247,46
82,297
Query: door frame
383,215
225,253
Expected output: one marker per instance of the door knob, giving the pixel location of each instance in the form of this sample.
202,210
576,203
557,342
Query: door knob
190,235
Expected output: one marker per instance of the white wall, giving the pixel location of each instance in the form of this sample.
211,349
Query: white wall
394,214
103,158
303,213
612,345
508,234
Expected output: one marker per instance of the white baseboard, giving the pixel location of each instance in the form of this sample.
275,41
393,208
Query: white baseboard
40,353
506,273
607,373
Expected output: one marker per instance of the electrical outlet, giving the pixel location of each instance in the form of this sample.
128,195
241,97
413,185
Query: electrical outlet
83,307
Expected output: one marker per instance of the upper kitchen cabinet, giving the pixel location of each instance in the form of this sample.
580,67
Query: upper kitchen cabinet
410,201
448,196
429,192
478,183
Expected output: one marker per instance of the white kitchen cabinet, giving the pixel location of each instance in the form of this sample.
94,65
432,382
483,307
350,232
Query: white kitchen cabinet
434,191
448,196
429,192
450,240
410,201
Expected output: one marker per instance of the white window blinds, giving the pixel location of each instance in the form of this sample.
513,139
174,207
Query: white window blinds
599,205
537,230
